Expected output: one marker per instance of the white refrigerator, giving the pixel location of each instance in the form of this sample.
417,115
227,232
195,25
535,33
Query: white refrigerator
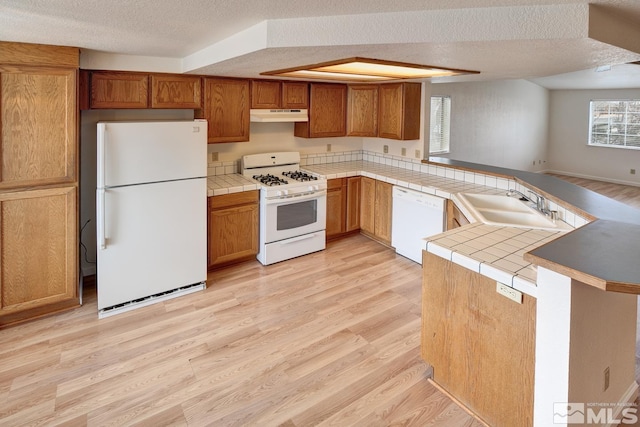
151,217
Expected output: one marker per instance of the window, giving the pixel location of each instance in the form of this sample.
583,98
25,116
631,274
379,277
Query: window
440,124
615,123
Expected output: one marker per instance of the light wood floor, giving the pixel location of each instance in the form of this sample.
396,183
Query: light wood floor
623,193
326,339
331,338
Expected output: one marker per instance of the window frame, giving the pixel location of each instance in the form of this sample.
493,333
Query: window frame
625,124
445,123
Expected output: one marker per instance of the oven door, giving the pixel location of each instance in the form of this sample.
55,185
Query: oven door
293,216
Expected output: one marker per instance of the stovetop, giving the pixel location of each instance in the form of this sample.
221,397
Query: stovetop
279,174
272,180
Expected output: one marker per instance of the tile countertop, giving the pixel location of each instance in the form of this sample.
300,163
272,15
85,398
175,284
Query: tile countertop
603,253
230,183
493,251
496,252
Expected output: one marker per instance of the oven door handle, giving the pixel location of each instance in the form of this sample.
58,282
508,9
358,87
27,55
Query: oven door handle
297,198
297,239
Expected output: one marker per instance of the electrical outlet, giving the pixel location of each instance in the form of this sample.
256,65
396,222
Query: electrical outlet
632,171
403,151
606,379
509,292
328,147
385,149
417,154
214,156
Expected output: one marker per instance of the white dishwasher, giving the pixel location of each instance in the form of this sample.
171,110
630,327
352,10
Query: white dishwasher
415,216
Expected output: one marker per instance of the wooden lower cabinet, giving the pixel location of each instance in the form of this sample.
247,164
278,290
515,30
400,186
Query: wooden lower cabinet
233,228
336,207
38,246
455,217
343,206
375,209
353,204
481,344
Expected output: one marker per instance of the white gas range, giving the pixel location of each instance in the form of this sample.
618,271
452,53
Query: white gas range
293,206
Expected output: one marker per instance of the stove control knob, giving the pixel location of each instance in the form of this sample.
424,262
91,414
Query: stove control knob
284,192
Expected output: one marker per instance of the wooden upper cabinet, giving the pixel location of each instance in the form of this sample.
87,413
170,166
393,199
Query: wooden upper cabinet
38,126
275,94
176,91
362,110
327,112
399,111
116,89
295,95
266,94
226,109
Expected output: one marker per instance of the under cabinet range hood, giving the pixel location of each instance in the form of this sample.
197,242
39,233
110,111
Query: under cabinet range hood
279,115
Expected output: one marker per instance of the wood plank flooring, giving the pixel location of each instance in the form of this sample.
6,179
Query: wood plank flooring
331,338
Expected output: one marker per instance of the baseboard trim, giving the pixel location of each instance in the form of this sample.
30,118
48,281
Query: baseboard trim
594,178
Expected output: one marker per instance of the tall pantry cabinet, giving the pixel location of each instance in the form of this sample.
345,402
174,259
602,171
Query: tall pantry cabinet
38,180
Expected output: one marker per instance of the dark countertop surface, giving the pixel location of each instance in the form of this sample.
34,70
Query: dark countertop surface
604,253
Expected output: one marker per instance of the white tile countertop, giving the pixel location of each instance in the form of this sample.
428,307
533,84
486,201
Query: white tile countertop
444,184
230,183
493,251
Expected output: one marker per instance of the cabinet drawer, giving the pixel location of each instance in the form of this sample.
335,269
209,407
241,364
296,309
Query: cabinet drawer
233,199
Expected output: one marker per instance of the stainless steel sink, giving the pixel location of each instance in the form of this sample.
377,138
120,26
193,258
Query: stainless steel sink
508,211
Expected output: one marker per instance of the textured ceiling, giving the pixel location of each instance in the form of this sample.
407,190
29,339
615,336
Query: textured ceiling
531,39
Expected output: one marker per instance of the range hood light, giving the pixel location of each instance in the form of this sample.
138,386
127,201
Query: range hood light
278,115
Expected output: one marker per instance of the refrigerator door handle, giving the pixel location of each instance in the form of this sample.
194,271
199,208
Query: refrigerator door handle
102,130
100,226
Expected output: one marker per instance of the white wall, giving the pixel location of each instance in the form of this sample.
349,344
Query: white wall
499,123
569,133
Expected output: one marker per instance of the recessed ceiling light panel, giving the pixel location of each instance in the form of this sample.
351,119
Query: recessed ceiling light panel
365,69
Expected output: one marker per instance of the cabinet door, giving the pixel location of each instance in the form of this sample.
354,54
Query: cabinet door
233,234
38,267
113,89
176,91
233,227
38,116
455,217
266,94
327,112
367,204
362,110
226,108
383,209
353,204
295,95
336,207
399,111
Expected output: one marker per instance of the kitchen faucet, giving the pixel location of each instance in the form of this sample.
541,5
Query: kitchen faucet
540,202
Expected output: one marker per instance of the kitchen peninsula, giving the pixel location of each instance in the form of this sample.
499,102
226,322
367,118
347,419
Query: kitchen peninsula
571,331
581,322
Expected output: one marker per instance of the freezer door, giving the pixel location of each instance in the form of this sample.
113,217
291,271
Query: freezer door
141,152
155,240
